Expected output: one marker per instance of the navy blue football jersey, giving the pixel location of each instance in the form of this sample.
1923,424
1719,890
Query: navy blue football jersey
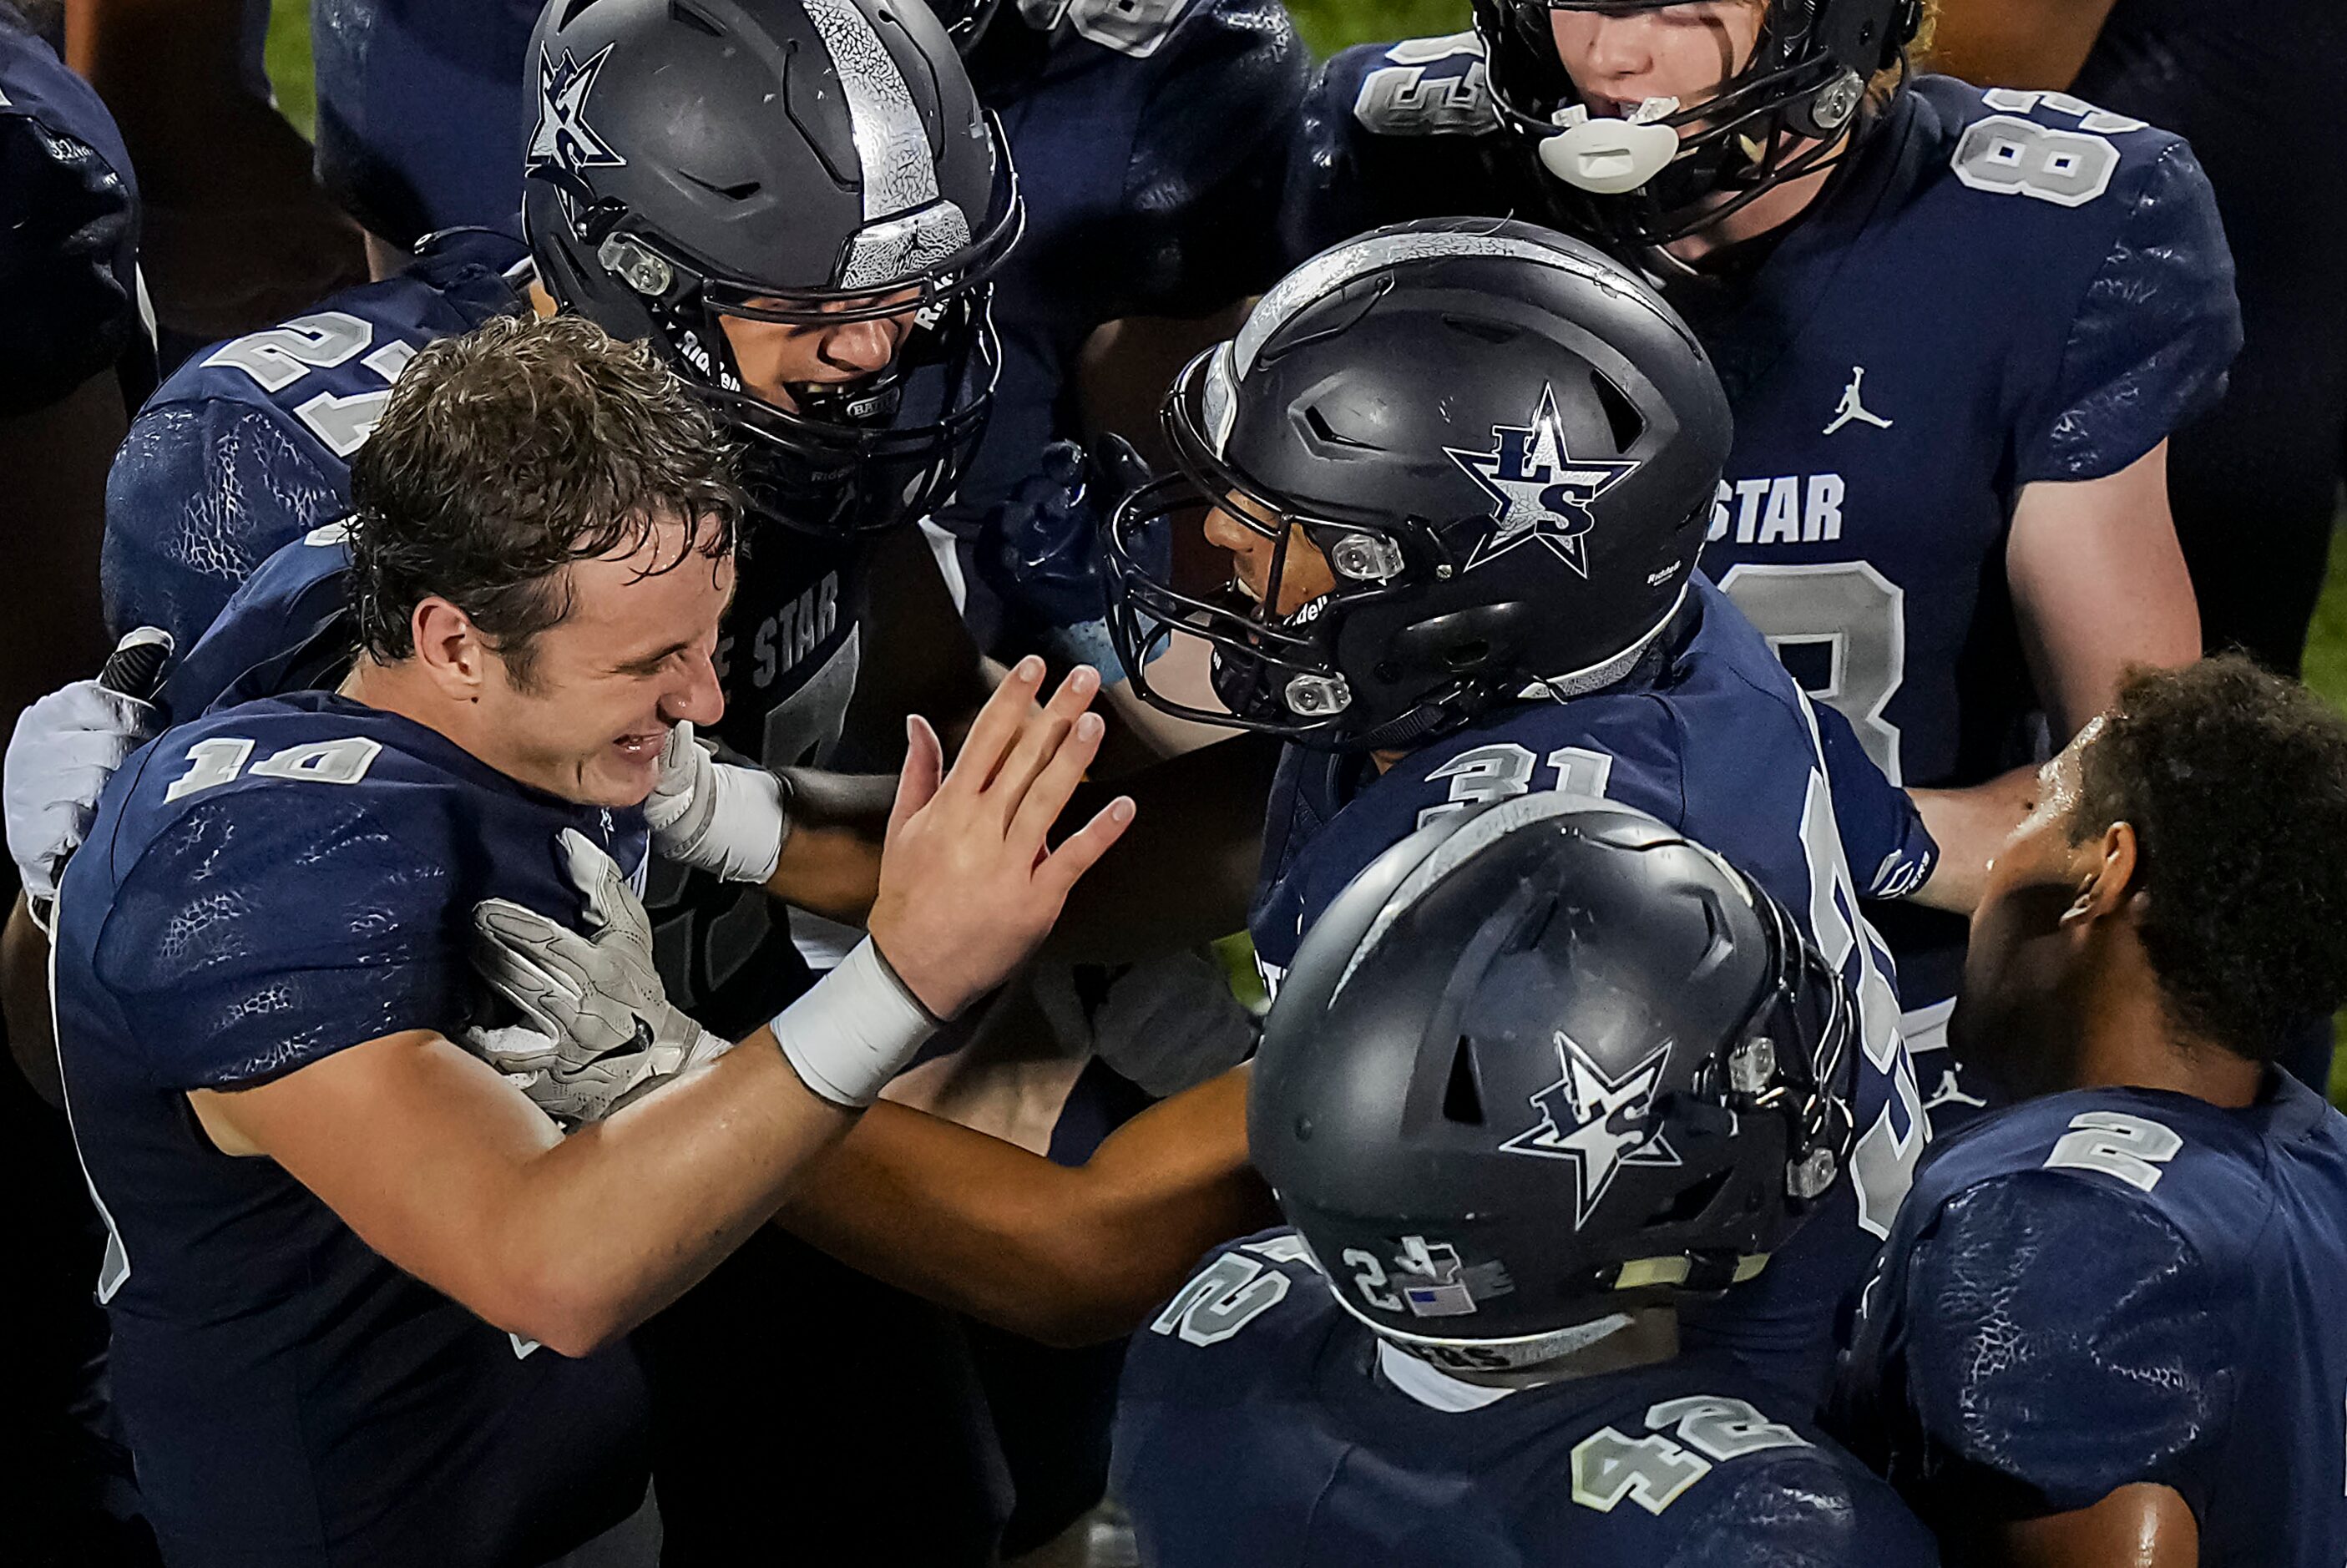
2114,1285
68,227
1712,736
248,444
2003,288
1259,1423
276,883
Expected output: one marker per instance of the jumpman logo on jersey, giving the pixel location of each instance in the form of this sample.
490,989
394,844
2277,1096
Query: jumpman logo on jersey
1850,408
1948,1094
1538,489
1598,1122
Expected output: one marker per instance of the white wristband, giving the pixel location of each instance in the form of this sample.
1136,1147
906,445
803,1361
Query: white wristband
854,1031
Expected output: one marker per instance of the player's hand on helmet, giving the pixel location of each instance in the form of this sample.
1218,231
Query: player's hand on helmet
969,883
719,817
65,746
1041,552
597,1030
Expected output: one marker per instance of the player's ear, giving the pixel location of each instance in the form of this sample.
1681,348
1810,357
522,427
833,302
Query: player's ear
450,647
2108,866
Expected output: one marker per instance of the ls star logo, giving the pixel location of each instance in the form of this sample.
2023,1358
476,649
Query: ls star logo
563,139
1598,1122
1539,490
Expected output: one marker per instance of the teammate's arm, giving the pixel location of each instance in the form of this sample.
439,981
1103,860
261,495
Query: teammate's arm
2139,1526
448,1171
2099,584
2017,43
1065,1255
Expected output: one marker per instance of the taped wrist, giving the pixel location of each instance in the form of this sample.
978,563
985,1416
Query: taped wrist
854,1031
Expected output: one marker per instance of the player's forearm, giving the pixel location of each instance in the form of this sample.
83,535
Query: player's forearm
2099,585
25,1003
622,1216
830,859
1969,825
1065,1256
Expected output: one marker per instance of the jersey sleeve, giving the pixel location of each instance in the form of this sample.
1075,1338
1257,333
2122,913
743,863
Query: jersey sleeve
2151,340
1792,1509
68,229
2063,1338
1890,852
272,927
201,493
1204,183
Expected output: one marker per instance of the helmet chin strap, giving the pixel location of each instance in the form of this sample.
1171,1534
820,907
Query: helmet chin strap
1610,157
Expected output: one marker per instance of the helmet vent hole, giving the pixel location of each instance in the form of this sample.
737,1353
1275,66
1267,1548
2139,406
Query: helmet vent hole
1689,1203
570,13
1325,433
680,11
1621,413
1462,1097
741,192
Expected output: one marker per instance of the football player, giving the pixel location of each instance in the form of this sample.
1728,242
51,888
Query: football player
369,1304
1462,468
1957,328
2106,1328
1543,1073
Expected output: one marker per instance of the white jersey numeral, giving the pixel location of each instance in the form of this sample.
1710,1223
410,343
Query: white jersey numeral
1610,1469
282,355
2132,1148
1503,770
1223,1297
221,759
1859,616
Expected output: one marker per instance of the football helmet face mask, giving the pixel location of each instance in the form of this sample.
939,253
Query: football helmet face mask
1503,448
1781,116
832,166
1544,1065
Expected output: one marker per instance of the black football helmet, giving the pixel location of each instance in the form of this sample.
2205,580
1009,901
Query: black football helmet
1658,174
1503,444
804,161
1545,1063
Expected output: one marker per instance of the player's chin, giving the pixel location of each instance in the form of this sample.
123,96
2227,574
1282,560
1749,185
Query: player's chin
624,773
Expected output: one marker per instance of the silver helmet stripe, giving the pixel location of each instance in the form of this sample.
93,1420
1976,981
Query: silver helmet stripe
1333,269
905,226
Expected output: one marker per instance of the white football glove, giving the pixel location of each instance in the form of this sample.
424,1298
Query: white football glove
714,816
66,747
598,1029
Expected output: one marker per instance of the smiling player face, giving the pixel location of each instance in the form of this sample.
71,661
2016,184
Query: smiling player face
1238,525
586,715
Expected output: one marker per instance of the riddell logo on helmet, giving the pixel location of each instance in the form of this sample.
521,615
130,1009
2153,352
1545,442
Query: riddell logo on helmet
1539,490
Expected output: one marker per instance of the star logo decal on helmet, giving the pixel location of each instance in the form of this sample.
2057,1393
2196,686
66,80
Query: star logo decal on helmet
563,139
1539,490
1598,1122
